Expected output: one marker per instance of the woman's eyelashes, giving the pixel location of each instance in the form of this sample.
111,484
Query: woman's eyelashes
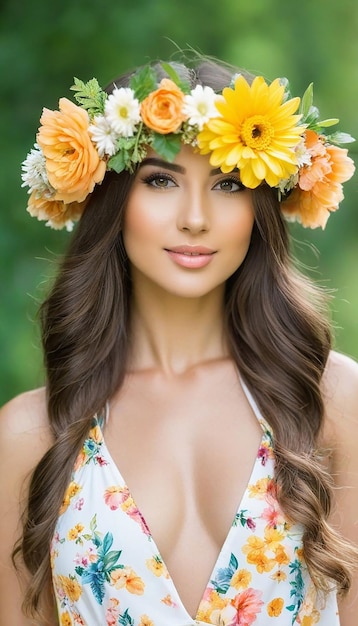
159,180
163,180
232,184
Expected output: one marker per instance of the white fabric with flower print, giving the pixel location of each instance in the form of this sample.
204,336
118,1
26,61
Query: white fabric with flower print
107,570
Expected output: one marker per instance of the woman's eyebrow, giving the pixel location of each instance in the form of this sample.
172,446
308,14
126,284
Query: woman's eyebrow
161,163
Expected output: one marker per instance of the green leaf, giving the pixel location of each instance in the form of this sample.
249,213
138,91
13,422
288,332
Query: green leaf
143,82
307,101
167,146
329,122
117,162
110,559
182,84
90,96
107,542
93,523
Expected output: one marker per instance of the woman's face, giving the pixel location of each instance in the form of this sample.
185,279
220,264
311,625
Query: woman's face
187,226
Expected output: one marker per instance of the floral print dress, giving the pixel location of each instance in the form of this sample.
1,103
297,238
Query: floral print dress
108,571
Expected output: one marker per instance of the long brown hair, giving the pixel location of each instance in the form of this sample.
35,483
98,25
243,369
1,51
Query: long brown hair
279,339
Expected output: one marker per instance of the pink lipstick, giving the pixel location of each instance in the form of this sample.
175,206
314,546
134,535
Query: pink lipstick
192,257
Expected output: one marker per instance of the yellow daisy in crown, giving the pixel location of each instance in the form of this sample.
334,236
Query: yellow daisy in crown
256,132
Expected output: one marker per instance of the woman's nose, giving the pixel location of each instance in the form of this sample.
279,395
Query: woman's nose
193,214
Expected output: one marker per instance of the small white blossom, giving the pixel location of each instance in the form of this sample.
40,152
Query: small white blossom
286,184
122,111
103,136
303,155
34,173
199,106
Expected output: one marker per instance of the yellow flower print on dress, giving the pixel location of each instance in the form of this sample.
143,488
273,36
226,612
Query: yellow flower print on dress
156,565
274,608
73,533
126,577
241,579
72,490
69,586
145,621
66,619
259,489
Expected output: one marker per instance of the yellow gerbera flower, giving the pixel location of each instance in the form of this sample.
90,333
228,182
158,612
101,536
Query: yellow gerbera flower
256,132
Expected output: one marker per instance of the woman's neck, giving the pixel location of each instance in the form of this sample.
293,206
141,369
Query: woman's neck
172,333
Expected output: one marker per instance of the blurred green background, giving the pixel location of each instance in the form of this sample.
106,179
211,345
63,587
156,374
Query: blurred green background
43,45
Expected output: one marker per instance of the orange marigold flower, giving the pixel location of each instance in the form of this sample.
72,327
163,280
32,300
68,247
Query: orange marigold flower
162,110
319,189
274,608
72,162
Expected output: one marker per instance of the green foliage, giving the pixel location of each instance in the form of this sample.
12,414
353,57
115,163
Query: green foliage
90,96
143,82
45,44
167,146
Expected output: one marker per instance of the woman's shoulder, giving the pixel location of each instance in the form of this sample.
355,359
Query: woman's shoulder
25,432
340,394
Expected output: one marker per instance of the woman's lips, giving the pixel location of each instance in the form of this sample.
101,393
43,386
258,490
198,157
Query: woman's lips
192,257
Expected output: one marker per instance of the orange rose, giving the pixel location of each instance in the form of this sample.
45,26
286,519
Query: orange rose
162,110
72,162
54,211
319,189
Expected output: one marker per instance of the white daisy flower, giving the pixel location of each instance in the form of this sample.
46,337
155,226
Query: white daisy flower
103,136
34,173
122,111
199,106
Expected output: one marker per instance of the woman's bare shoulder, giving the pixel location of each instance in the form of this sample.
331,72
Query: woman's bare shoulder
24,426
340,394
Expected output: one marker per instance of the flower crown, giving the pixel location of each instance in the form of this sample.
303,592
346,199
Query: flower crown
257,128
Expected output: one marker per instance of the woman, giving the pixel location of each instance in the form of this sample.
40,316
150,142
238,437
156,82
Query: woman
193,448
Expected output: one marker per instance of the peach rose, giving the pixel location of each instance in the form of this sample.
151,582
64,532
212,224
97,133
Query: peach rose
72,162
55,211
319,189
162,110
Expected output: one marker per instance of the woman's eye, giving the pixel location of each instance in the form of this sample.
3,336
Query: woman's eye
229,185
159,181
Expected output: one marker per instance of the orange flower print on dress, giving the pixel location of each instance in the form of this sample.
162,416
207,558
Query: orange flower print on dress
168,600
241,579
72,490
274,608
70,587
145,621
319,189
66,619
156,565
126,577
72,162
162,110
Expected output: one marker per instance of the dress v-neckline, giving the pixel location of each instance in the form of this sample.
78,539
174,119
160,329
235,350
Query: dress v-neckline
193,620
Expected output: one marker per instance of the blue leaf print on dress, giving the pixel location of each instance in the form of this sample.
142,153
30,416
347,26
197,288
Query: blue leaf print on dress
98,573
224,575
